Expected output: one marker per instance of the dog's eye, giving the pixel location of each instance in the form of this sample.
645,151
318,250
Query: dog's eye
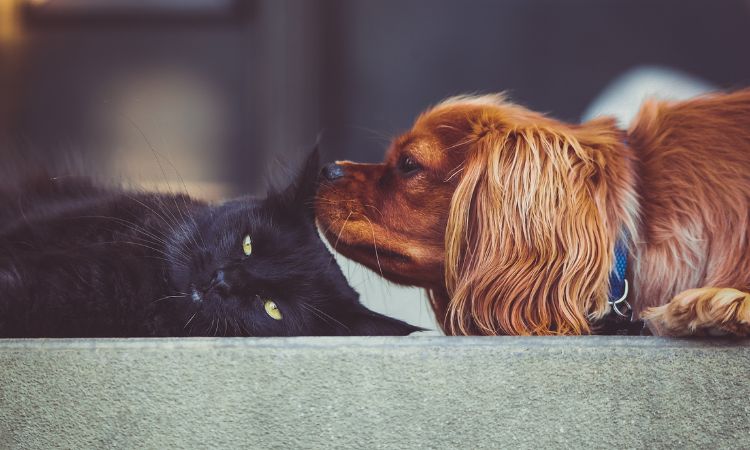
407,165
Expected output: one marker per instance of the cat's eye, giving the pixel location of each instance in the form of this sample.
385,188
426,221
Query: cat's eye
247,245
272,310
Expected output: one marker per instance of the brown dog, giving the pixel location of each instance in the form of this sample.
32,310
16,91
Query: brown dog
510,218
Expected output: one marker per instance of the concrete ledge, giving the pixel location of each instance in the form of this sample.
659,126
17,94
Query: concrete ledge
435,392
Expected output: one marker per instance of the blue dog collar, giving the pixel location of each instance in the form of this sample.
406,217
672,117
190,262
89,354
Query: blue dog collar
618,283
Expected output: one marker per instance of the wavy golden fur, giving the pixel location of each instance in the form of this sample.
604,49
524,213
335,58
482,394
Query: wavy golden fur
509,218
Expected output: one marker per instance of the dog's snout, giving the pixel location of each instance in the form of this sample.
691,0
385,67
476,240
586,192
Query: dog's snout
332,172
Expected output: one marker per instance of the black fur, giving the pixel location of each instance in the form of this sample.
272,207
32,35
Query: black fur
79,260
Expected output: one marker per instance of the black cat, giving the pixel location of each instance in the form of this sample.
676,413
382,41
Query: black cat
79,260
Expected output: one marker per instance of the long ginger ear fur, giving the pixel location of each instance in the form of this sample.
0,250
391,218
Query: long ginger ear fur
532,227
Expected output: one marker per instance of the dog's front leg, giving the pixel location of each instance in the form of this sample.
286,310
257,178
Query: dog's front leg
703,311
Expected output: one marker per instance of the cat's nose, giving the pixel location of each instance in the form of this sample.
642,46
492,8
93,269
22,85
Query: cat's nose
219,281
332,172
219,276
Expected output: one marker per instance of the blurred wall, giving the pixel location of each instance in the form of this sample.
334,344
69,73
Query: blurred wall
233,83
386,60
223,88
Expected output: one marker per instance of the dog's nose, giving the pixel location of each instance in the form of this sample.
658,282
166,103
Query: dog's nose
332,172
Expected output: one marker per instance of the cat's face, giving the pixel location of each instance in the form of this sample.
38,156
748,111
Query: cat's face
257,267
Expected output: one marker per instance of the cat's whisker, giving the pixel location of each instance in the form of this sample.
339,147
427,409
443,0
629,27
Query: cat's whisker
176,263
188,213
163,219
184,257
189,320
152,238
247,331
179,258
324,313
158,251
168,297
158,233
132,226
158,162
313,312
180,224
214,321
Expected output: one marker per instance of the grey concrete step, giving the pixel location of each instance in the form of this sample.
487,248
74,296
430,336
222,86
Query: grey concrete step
414,392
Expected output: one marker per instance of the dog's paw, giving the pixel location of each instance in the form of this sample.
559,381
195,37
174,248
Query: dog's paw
703,312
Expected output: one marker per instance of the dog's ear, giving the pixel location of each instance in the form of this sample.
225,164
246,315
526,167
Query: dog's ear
299,195
529,237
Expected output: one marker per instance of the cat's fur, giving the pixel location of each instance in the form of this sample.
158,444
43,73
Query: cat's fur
80,260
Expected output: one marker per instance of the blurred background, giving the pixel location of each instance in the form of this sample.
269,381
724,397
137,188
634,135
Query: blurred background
225,88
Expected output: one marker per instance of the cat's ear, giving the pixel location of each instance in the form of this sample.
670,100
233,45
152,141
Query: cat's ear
363,322
299,195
